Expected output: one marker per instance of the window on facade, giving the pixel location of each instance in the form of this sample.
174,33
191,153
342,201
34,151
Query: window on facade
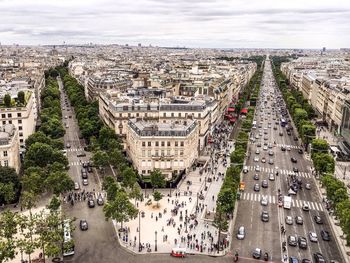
157,143
3,122
163,144
10,115
199,115
129,114
143,153
21,134
179,114
20,128
143,144
137,114
21,140
19,121
182,144
5,153
176,144
149,144
168,152
19,114
3,116
157,152
6,163
120,115
168,143
172,114
164,114
181,153
176,152
143,171
149,153
10,122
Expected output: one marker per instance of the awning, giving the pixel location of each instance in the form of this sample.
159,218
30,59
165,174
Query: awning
230,109
244,110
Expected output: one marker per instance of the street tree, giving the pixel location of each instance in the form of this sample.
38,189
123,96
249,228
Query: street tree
129,177
111,186
53,128
319,146
100,158
9,184
226,199
120,208
220,222
8,231
157,196
117,160
157,179
59,182
136,193
324,163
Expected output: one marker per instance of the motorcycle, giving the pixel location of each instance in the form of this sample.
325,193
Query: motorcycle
266,256
236,257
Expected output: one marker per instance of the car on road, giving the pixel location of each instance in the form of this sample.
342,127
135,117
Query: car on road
258,144
299,220
245,169
271,177
288,148
300,151
318,219
265,216
76,186
256,159
85,182
271,153
91,203
292,241
283,148
257,253
302,242
325,235
89,169
264,184
66,117
256,187
293,260
257,168
308,186
256,177
313,236
81,154
289,220
257,151
319,258
100,200
263,160
294,160
265,148
66,125
241,233
68,145
84,175
306,207
264,201
70,116
271,161
83,225
295,169
281,134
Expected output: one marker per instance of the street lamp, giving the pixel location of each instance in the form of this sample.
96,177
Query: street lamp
186,221
155,246
140,248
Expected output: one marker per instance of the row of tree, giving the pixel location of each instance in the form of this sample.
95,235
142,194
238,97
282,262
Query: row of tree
299,108
44,171
228,192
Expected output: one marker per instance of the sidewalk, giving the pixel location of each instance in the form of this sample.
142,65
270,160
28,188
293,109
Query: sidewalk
341,173
165,226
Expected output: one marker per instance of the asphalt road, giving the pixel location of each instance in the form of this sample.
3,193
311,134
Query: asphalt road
267,235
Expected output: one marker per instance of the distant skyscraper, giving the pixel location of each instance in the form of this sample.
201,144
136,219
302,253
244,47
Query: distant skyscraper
324,49
139,44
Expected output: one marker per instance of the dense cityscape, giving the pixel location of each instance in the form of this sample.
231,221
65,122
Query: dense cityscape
141,152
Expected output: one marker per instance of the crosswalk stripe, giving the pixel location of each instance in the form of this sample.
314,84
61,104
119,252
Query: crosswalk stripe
273,199
293,202
270,199
312,205
316,205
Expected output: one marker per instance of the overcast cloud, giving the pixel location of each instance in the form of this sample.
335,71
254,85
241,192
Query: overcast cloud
191,23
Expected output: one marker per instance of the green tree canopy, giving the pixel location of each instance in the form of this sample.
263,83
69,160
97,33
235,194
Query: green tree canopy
157,179
21,97
7,100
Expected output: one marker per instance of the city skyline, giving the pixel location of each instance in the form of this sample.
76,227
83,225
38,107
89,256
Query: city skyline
197,23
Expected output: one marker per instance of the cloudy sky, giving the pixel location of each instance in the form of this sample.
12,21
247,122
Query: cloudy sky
190,23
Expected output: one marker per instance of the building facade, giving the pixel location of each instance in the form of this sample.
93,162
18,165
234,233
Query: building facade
164,146
9,147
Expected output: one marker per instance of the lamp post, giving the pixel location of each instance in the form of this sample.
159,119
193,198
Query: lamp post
186,222
155,246
140,248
